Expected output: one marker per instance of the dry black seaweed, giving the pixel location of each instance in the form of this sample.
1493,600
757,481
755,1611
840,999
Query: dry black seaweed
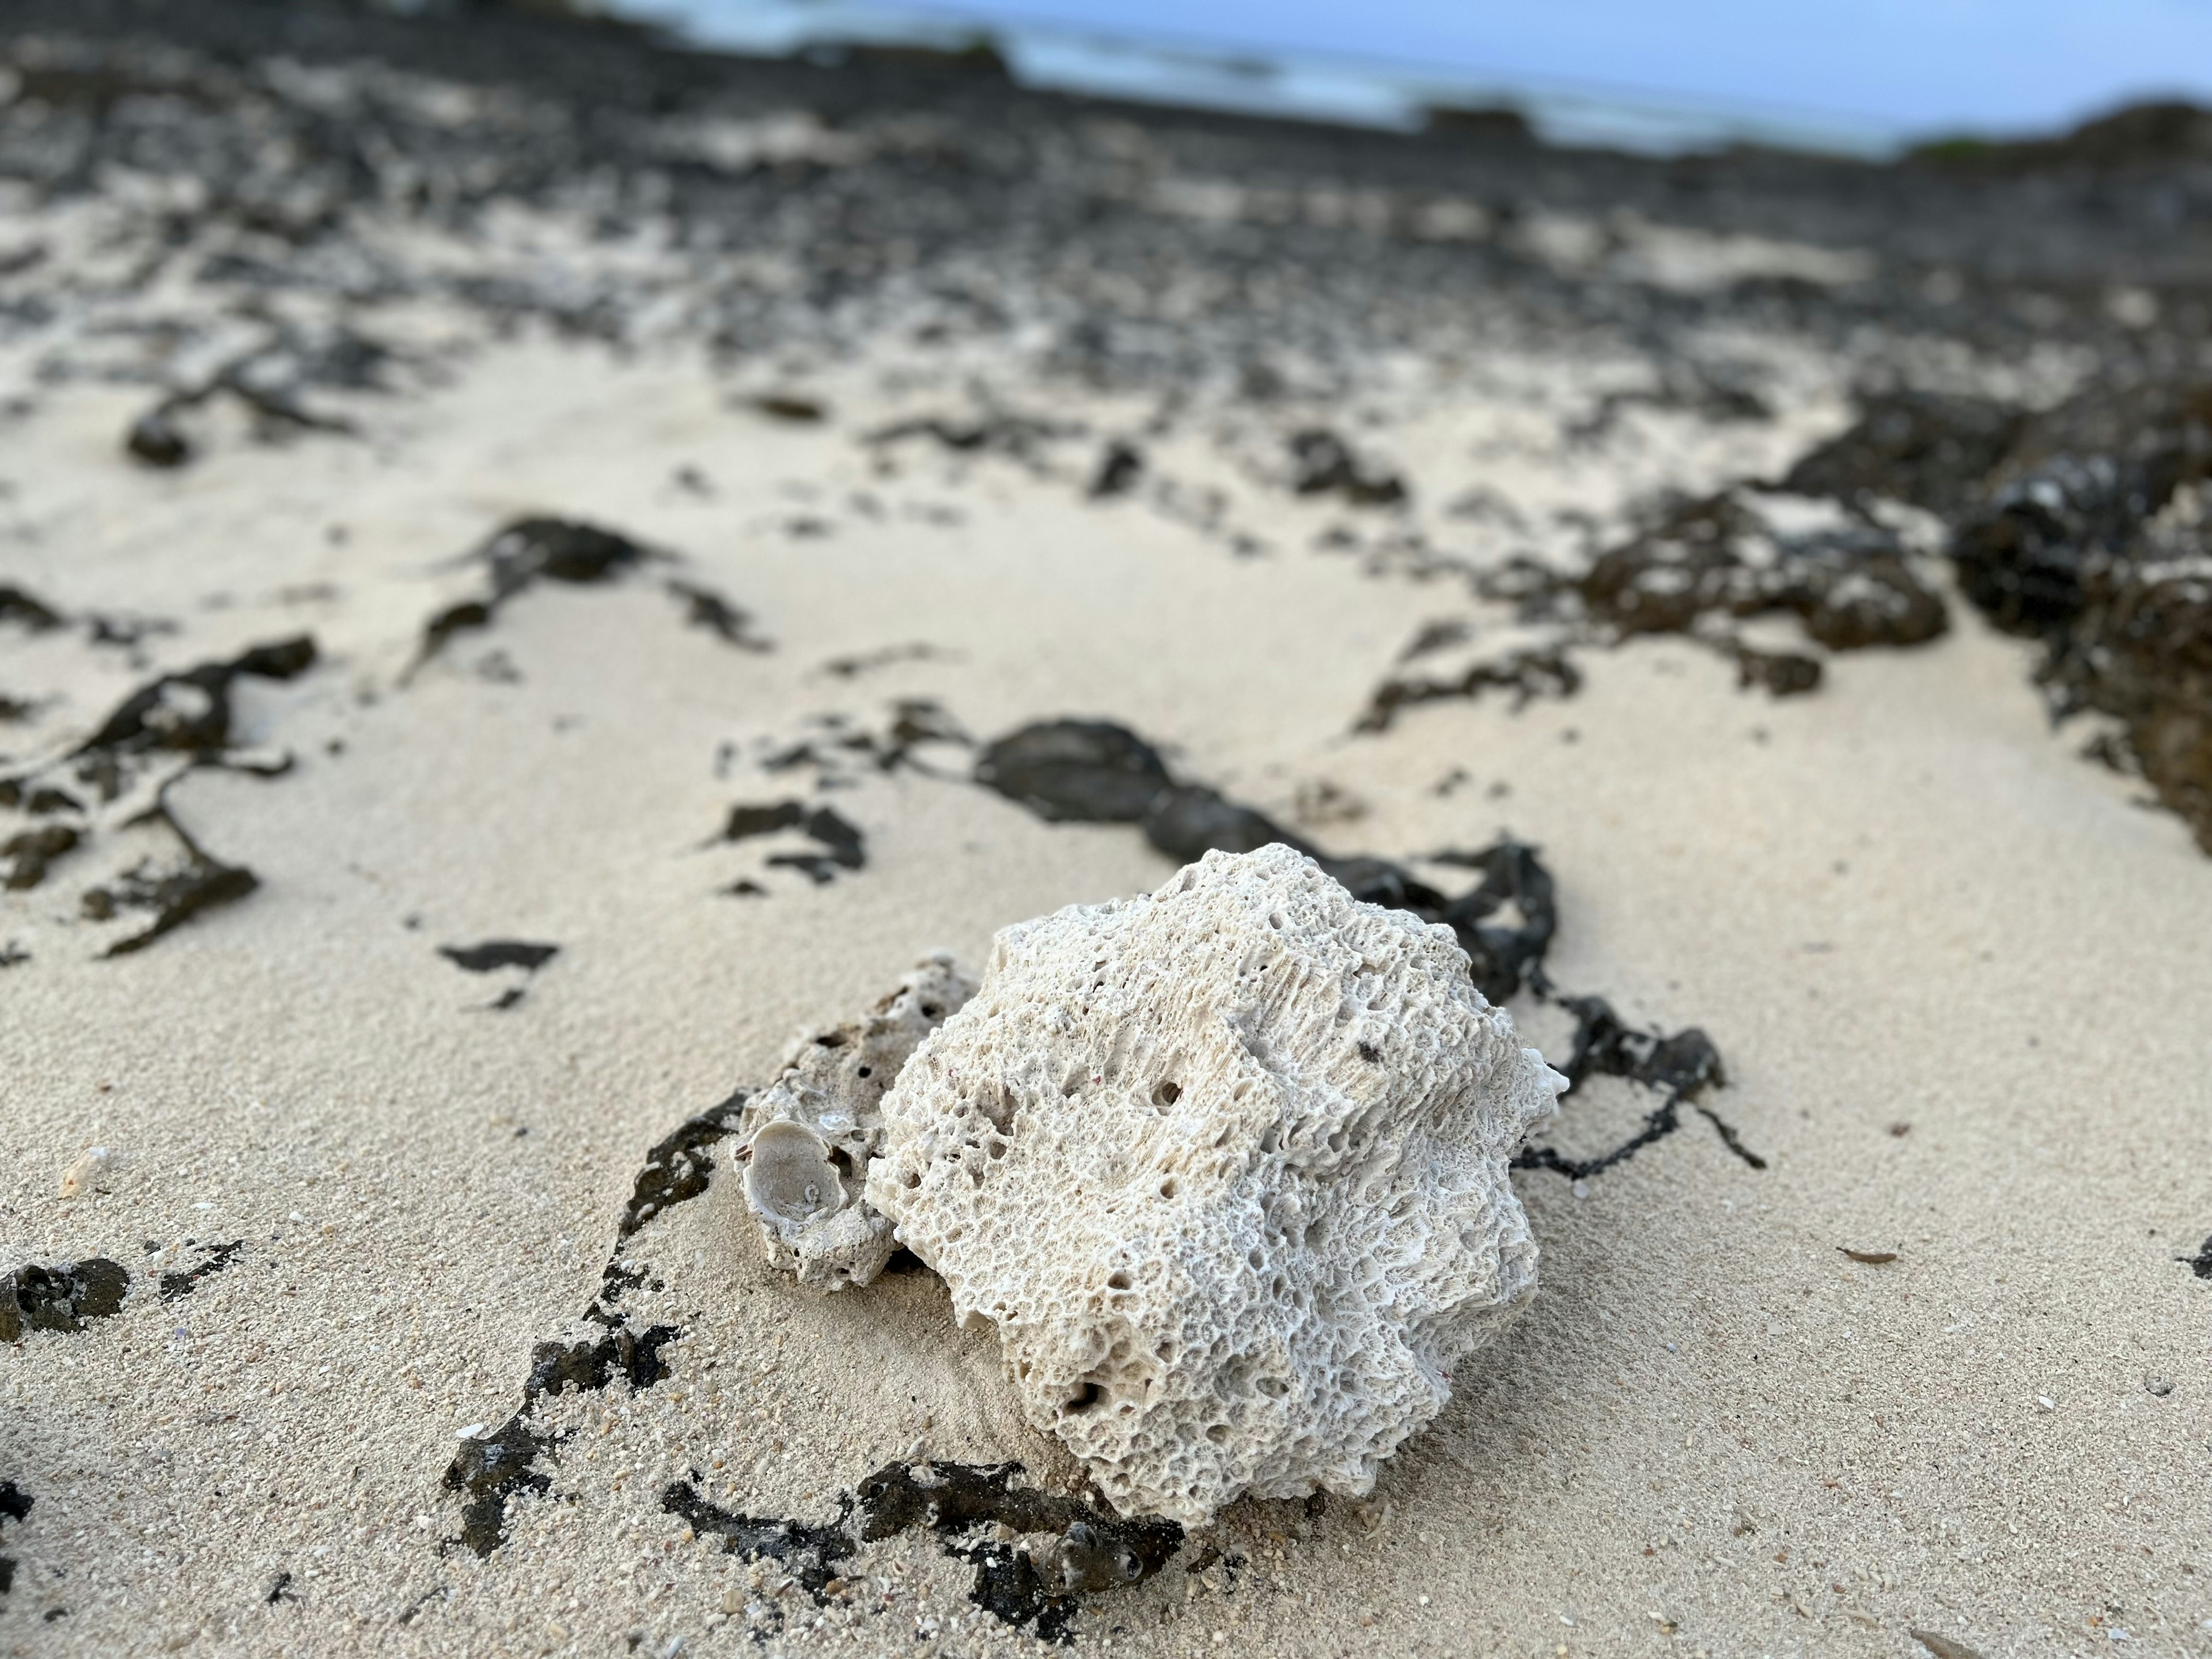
704,608
843,847
187,712
810,1554
529,550
218,1257
1092,1550
183,717
495,953
174,896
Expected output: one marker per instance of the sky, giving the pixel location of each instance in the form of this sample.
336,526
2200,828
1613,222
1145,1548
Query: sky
1865,72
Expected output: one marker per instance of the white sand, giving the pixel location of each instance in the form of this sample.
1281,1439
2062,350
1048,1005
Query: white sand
1901,900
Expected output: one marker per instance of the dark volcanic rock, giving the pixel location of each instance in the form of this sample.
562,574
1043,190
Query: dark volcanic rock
1929,449
1851,585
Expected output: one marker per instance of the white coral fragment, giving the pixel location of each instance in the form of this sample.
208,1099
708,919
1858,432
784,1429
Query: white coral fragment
1226,1164
808,1137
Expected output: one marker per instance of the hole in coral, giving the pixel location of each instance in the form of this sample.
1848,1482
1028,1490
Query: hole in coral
1169,1187
1167,1094
1273,1387
912,1180
930,1010
866,1071
1217,1433
1117,1280
831,1040
1083,1399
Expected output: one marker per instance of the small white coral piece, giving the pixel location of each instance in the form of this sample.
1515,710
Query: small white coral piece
808,1137
1226,1164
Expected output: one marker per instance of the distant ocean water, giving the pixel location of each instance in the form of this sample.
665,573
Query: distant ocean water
1378,93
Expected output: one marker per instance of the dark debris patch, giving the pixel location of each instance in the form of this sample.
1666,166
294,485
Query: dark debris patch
270,382
790,408
14,1506
1679,1068
494,954
184,713
1699,570
172,723
809,1555
2098,540
25,609
1323,463
1120,468
527,551
705,607
1091,1549
1070,771
184,1283
489,1470
677,1167
843,847
2084,527
522,553
170,897
1526,674
65,1297
2201,1263
1926,449
585,1367
1018,437
1729,557
29,851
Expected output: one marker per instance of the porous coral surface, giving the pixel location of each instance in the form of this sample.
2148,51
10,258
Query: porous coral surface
1226,1166
810,1134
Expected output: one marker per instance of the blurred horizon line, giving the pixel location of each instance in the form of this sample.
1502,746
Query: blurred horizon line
1358,89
